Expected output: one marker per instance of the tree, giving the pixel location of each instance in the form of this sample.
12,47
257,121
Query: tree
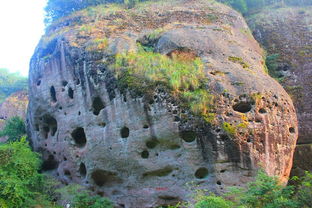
18,174
14,129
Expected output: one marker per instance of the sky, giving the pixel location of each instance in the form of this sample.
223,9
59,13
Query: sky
21,26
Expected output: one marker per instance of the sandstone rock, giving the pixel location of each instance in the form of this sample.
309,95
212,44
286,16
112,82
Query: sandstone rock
149,150
14,105
287,32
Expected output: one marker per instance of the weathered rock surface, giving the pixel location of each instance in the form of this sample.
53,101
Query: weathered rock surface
14,105
142,152
288,33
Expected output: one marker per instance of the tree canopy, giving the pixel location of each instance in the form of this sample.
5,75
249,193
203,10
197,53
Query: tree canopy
10,83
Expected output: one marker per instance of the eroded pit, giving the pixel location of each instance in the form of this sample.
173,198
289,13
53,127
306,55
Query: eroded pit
82,170
124,132
201,173
79,137
53,94
242,107
97,105
188,136
49,164
103,177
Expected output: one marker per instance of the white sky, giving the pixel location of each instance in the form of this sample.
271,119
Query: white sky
21,26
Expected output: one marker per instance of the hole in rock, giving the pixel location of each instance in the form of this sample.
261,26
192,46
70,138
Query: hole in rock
53,94
201,173
188,136
70,93
262,111
79,137
292,130
78,82
97,105
38,82
101,177
169,198
65,159
160,172
79,113
151,144
174,112
124,132
102,124
64,83
145,126
49,124
49,164
176,119
82,170
242,107
222,171
145,154
219,183
67,172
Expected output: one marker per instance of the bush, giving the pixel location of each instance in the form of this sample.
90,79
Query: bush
213,202
83,200
19,175
14,129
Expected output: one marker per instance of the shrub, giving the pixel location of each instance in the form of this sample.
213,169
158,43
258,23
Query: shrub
19,175
14,128
304,191
83,200
214,202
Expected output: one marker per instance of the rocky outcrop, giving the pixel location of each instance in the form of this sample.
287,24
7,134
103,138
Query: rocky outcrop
135,104
287,33
14,105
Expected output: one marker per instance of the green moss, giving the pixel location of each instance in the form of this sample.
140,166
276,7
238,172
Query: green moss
229,129
141,72
239,60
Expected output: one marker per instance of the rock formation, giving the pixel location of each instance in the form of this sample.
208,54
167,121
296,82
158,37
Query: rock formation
287,34
142,104
14,105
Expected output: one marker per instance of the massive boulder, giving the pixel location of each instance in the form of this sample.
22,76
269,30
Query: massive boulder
286,33
101,118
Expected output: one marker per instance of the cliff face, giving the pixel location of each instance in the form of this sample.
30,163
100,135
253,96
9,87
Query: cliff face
14,105
135,104
287,32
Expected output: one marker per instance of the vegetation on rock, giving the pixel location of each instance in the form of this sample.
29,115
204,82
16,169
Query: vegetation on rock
143,71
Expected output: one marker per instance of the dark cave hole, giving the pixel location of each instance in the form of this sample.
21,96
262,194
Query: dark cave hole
102,124
67,173
38,82
78,82
262,111
145,154
101,177
64,83
188,136
82,170
97,105
49,164
124,132
145,126
219,183
151,144
292,130
176,119
201,173
70,93
79,137
242,107
53,94
49,125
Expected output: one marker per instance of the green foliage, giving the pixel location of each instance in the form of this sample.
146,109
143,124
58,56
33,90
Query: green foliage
271,62
304,191
239,60
83,200
19,175
266,192
10,83
143,70
14,128
229,129
213,202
